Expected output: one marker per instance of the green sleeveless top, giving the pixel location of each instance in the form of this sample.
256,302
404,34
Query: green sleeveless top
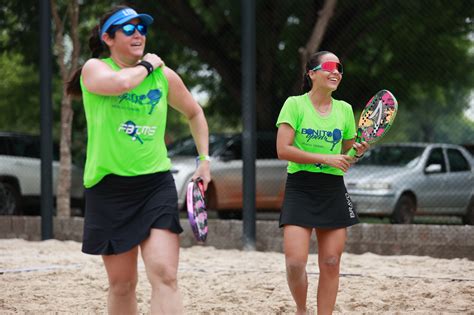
315,133
126,132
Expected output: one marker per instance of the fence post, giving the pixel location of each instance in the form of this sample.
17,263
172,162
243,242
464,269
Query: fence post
249,124
46,121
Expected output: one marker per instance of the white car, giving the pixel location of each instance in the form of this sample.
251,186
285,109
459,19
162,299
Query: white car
403,180
224,193
20,174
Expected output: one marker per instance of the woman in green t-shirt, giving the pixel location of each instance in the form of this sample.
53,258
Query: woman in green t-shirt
314,132
131,198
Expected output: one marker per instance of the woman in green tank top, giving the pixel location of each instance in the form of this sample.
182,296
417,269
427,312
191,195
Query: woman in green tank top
131,199
314,132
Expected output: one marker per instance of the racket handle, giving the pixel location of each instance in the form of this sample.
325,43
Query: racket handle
200,184
352,152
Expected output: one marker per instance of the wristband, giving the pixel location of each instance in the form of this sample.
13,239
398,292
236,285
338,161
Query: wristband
148,66
203,157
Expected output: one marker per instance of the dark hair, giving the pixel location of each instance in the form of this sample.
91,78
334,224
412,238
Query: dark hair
313,61
97,48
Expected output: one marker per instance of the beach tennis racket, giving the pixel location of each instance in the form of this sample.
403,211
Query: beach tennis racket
376,118
196,205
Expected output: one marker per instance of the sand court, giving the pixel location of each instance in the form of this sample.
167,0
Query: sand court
54,276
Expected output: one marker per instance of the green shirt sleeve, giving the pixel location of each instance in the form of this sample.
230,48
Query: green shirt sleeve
350,127
289,114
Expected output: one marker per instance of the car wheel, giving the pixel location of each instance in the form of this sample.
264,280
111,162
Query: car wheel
9,199
469,217
404,212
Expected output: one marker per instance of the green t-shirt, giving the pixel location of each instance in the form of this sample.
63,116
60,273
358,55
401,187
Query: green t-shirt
126,132
315,133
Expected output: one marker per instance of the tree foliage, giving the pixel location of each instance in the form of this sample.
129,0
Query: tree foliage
18,92
404,46
419,50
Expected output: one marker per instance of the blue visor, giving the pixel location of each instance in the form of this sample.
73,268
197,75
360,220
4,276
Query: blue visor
123,16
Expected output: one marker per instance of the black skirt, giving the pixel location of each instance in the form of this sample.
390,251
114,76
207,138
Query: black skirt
122,210
317,200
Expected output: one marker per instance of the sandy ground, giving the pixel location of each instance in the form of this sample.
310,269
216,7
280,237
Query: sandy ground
54,276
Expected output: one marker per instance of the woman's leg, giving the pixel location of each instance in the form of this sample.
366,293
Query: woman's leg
330,247
296,246
160,252
123,278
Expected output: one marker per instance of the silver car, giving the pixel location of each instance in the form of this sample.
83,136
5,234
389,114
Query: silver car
404,180
224,193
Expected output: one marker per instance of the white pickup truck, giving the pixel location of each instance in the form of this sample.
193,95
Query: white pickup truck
20,174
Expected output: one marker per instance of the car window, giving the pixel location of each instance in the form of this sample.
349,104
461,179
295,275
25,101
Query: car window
457,161
186,146
5,146
436,157
266,148
392,156
234,151
229,146
25,146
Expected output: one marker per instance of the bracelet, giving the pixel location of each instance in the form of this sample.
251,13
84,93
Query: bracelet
203,157
148,66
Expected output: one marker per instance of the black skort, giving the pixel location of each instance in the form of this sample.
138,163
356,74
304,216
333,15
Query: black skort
122,210
317,200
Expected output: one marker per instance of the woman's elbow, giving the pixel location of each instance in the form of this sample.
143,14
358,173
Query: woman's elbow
122,85
194,112
281,153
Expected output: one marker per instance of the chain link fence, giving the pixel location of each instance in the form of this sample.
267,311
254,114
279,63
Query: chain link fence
420,172
420,51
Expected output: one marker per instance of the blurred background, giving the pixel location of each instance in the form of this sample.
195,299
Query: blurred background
422,51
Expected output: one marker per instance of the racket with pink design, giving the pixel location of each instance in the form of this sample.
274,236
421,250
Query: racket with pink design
196,205
376,118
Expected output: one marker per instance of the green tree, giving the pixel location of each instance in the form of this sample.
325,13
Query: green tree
18,94
405,46
418,50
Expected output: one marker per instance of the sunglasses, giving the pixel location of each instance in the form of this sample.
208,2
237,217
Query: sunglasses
129,29
329,66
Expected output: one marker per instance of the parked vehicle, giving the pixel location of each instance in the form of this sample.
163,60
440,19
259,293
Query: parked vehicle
404,180
20,171
470,148
224,193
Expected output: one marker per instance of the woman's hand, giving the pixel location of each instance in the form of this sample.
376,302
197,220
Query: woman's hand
361,148
154,59
340,161
204,172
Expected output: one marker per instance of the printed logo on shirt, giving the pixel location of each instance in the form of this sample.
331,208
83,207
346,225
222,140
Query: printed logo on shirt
332,137
319,165
350,207
134,130
152,98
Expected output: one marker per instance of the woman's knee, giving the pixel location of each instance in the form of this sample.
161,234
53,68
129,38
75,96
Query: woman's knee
122,287
295,269
162,273
330,264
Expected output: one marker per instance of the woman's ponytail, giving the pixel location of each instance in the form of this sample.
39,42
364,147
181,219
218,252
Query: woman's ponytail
307,83
313,61
97,48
